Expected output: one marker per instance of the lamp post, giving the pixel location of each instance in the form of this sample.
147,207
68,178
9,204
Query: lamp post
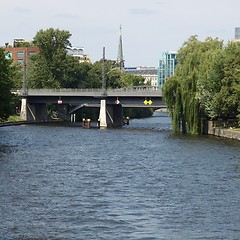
104,90
24,114
24,74
104,74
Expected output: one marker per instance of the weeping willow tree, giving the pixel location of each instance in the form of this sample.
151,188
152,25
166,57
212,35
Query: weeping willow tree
184,92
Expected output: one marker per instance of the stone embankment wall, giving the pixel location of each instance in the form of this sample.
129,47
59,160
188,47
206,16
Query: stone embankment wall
216,128
5,124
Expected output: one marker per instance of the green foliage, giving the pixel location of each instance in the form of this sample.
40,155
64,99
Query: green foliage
5,87
23,44
72,74
128,79
48,68
93,78
52,68
205,84
39,74
14,118
228,98
16,75
137,112
91,75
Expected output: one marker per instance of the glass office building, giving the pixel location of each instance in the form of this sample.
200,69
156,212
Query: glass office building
166,67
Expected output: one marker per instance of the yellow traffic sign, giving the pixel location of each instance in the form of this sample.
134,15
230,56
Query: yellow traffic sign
146,102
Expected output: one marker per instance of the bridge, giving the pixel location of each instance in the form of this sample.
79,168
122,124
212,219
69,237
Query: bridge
110,102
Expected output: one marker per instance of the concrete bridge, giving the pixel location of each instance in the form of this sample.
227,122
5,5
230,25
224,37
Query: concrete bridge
111,102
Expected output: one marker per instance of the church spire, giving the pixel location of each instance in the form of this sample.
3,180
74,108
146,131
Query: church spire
120,60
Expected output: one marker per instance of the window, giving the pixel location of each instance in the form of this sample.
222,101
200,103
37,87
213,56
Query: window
31,53
8,55
20,61
20,54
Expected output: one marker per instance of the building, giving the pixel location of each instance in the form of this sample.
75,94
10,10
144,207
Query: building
167,67
18,54
237,34
20,50
78,53
150,74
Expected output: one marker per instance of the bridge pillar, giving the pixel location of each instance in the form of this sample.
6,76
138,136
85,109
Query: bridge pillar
33,111
103,114
23,113
110,115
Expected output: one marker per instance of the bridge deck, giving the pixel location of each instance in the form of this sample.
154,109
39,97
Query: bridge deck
119,92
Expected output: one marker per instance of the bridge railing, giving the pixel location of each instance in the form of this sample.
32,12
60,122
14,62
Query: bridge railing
89,90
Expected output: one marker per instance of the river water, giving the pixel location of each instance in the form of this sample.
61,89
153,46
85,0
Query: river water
138,182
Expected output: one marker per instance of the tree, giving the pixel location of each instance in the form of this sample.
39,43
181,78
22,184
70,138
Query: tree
128,79
50,64
115,78
39,74
6,86
84,69
94,76
189,94
206,84
209,84
184,103
72,73
227,100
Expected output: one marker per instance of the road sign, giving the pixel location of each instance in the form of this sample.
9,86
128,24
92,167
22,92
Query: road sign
117,101
146,102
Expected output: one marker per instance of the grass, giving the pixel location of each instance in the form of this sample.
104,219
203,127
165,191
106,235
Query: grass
14,118
237,129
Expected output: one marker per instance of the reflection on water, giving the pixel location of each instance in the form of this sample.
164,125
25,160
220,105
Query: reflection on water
138,182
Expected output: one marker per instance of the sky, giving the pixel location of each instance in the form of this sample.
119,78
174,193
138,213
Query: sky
149,27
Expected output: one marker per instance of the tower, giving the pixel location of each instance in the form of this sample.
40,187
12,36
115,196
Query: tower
120,60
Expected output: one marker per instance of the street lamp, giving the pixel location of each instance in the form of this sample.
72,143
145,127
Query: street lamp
24,74
104,90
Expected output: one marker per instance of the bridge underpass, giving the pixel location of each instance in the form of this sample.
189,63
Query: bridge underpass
35,102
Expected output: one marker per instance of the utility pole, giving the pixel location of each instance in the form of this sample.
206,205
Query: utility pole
24,74
104,89
24,99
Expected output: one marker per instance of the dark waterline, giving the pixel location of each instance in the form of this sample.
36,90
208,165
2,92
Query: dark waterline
139,182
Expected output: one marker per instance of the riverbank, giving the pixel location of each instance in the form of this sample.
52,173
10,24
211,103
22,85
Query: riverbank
219,131
5,124
227,133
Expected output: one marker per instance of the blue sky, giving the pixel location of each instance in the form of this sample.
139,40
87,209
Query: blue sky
149,27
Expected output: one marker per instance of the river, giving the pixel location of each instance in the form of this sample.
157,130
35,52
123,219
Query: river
139,182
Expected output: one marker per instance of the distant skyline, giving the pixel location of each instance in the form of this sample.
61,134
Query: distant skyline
148,27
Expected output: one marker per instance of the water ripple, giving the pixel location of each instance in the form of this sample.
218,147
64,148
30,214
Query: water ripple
139,182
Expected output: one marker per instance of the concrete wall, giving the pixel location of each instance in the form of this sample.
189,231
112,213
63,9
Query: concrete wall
215,128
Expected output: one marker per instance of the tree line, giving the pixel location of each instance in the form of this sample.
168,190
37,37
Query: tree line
205,86
52,67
